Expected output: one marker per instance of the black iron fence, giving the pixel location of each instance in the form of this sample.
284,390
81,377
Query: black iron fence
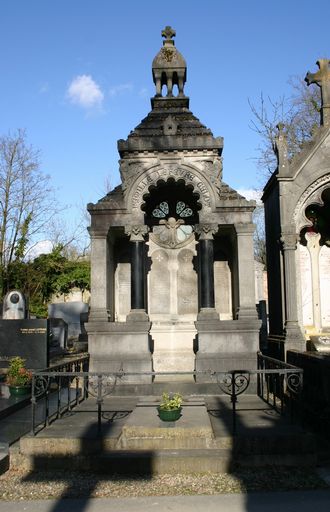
277,382
58,389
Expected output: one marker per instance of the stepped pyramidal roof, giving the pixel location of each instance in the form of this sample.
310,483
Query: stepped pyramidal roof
170,125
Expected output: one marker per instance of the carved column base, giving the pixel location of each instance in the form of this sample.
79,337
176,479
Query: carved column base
99,315
294,338
247,312
137,315
207,314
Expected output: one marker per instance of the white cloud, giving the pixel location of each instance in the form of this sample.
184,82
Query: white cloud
120,89
85,92
42,247
250,193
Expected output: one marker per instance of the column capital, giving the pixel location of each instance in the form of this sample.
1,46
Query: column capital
245,228
289,241
206,231
98,233
137,232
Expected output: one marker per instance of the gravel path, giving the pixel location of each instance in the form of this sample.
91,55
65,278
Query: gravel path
18,485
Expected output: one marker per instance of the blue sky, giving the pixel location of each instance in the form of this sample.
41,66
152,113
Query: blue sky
76,74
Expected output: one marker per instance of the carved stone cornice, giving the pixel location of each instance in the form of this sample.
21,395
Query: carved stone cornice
137,232
206,231
98,233
245,229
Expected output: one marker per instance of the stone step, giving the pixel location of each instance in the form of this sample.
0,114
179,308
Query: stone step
4,457
144,430
149,462
130,462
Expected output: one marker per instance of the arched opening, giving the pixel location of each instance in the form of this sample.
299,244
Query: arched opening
171,199
314,267
319,216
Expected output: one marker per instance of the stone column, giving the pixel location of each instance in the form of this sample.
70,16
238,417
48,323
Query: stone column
206,270
293,334
246,282
99,276
313,246
138,293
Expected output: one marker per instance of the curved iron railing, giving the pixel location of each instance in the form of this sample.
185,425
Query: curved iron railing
276,382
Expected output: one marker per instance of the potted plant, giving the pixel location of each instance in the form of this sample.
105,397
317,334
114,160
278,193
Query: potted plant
170,407
18,377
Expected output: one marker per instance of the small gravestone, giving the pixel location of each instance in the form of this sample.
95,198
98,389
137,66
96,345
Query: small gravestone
27,339
14,306
74,314
58,334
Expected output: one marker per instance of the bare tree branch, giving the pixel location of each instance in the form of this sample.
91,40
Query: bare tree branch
300,113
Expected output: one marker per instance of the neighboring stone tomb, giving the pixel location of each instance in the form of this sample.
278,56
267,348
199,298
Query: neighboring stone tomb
297,215
21,336
172,279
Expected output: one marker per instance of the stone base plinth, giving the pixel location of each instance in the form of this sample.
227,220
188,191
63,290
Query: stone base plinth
144,430
115,346
173,349
226,345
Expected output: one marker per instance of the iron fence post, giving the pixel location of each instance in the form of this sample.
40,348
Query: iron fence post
233,400
33,406
99,403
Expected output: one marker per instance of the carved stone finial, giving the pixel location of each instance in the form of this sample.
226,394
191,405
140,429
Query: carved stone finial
169,67
322,79
281,149
168,33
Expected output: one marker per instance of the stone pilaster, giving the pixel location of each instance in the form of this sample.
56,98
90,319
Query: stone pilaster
294,338
99,276
245,258
138,293
206,270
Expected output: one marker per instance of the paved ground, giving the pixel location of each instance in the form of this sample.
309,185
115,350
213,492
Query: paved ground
303,501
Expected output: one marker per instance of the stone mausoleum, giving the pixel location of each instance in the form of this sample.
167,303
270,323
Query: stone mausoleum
172,285
297,214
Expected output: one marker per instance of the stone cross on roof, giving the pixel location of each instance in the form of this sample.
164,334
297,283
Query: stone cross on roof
168,33
322,79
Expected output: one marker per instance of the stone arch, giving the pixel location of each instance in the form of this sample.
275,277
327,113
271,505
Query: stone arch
311,195
179,200
140,188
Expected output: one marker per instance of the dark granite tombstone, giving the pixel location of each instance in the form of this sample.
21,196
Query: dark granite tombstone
27,339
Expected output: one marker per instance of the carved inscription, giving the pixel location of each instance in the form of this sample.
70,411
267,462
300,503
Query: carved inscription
152,176
123,291
187,284
222,288
324,261
159,284
306,286
37,330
